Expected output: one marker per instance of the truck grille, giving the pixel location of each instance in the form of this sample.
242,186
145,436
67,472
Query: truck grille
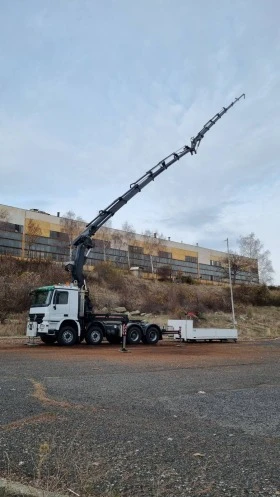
36,317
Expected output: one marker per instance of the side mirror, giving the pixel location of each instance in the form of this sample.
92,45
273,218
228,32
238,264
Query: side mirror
54,306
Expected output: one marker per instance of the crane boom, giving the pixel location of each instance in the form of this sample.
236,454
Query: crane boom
84,243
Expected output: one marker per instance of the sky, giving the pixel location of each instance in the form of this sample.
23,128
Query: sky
93,94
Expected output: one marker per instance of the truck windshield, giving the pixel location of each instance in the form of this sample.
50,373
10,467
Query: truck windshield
41,298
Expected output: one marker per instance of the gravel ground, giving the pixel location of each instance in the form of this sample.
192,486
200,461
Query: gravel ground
165,421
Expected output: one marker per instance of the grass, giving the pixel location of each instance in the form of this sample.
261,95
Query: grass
59,468
14,326
252,322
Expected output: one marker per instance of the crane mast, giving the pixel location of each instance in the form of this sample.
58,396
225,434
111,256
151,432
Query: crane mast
84,242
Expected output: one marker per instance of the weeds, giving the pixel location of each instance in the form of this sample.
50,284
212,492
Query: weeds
111,287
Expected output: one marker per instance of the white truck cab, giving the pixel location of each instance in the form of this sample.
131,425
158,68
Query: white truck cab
53,308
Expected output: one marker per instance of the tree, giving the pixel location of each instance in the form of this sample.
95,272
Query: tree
72,226
238,264
117,238
33,233
152,243
104,234
252,248
165,273
128,238
4,218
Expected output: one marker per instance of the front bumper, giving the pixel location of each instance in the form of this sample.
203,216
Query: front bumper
34,329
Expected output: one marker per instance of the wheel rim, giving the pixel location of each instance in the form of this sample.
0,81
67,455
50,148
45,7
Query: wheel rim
95,336
153,335
67,336
134,335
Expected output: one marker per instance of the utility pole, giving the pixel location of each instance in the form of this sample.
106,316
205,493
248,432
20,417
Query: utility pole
230,284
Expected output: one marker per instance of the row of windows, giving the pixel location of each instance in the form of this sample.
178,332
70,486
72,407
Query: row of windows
59,235
5,226
164,255
215,263
189,258
120,257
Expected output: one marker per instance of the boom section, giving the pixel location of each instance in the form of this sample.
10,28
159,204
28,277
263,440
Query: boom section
136,187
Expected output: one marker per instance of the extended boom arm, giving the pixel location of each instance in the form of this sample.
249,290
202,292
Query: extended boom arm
84,243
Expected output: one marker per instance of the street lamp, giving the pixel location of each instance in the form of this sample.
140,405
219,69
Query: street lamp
230,284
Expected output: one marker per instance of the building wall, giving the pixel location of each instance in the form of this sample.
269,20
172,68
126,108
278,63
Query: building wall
189,260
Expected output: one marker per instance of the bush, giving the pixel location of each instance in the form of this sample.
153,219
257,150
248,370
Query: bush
19,277
256,295
183,278
164,273
107,273
111,287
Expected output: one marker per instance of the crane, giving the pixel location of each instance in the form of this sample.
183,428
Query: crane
83,243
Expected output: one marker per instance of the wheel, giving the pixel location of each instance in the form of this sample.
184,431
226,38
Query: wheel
133,335
48,339
152,335
113,339
94,335
67,335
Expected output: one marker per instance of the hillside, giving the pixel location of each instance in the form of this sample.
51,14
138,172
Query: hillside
257,307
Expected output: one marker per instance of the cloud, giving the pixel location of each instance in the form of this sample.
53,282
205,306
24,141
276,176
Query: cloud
93,95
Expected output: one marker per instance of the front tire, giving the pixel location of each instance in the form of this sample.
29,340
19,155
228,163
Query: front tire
94,335
67,336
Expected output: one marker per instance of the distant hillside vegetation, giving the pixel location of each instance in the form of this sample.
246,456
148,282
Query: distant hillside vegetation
111,287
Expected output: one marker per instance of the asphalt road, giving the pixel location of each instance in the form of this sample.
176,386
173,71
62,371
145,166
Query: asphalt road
172,421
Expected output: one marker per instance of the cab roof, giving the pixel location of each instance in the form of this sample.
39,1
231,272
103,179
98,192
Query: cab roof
54,287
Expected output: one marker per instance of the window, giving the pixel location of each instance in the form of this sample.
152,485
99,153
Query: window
61,298
18,228
57,235
135,249
164,255
215,263
189,258
41,298
101,243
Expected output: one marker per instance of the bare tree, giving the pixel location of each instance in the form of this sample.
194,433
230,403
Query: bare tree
117,238
252,248
152,243
33,233
128,238
4,218
104,234
238,264
71,225
165,273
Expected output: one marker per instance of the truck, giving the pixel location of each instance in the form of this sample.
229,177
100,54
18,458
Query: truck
64,313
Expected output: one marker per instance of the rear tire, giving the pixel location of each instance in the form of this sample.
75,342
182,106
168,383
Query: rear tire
67,335
152,335
133,335
94,335
48,339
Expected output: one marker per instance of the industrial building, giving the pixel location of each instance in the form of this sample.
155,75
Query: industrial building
37,234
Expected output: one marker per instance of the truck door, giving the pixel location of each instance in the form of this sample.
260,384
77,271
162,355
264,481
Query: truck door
61,305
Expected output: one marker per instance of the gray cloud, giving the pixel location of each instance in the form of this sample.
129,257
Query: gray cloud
94,95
